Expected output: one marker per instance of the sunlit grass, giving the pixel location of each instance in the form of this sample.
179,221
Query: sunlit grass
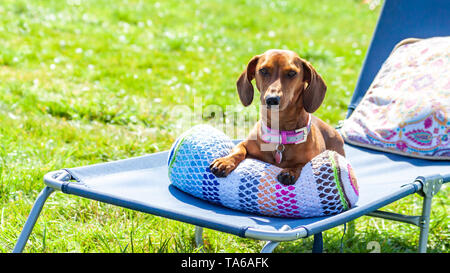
83,82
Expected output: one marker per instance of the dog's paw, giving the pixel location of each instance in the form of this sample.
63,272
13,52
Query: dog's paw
222,167
288,176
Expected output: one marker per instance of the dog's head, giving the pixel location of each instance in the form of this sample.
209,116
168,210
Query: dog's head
283,79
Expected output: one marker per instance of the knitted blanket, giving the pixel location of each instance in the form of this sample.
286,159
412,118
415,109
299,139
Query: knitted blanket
326,186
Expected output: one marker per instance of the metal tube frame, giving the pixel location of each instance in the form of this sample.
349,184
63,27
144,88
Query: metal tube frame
270,246
427,187
199,238
55,179
32,218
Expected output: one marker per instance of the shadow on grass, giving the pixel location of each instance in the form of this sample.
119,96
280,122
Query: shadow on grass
367,241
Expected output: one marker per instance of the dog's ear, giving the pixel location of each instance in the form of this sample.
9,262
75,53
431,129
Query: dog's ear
244,83
314,93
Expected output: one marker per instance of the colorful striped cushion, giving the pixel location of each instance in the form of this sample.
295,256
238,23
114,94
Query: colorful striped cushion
326,186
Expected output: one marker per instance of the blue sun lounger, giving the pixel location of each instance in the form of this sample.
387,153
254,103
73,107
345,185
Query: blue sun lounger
142,183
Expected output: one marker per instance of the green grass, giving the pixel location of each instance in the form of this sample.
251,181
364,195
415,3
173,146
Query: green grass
83,82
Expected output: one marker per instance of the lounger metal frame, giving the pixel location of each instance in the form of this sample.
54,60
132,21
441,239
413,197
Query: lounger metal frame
425,186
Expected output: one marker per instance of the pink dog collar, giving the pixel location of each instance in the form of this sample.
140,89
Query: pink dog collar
297,136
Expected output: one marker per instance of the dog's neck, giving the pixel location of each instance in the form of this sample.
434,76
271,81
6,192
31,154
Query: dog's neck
288,119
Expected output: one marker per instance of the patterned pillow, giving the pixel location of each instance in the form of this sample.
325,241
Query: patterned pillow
406,109
326,186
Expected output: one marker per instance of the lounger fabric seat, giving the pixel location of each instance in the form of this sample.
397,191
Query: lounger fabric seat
142,184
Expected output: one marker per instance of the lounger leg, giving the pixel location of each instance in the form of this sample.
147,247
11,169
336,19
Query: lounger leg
424,224
29,224
199,237
270,246
318,243
430,186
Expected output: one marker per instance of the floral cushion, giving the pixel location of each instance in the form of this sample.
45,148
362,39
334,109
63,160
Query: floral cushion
406,109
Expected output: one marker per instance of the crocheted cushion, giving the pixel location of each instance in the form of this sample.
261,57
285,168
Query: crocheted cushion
326,185
405,110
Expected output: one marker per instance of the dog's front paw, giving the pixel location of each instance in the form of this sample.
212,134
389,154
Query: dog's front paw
288,176
222,167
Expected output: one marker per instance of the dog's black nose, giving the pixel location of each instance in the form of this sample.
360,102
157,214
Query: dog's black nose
272,100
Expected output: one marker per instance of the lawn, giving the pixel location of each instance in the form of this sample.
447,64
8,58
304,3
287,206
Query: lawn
83,82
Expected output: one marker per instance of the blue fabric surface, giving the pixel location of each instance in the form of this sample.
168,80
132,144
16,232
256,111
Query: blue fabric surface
142,183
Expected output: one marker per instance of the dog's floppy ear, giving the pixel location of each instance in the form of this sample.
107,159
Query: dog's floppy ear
314,93
244,83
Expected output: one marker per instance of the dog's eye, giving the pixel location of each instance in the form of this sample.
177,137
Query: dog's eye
264,71
291,74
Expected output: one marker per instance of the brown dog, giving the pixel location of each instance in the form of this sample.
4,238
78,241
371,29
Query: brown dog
290,90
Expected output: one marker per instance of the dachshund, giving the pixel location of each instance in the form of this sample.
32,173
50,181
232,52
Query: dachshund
287,135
